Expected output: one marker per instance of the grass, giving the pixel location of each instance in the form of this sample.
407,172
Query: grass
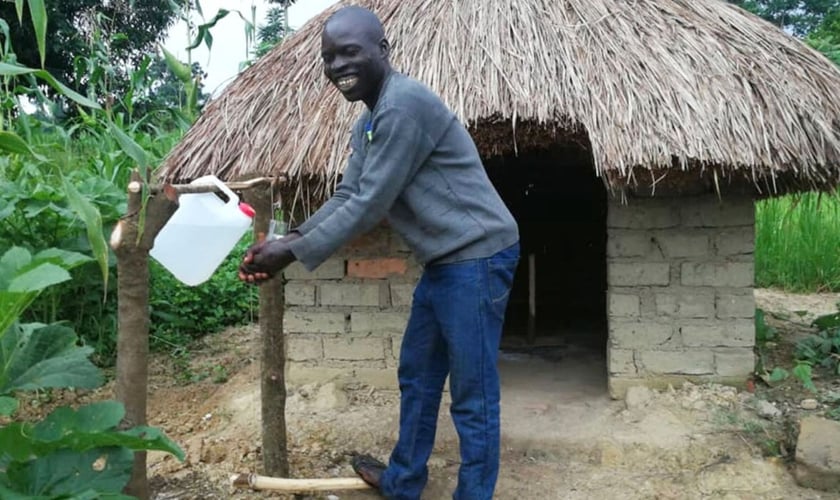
797,244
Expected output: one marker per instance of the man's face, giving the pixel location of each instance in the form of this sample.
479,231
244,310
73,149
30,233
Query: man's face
354,61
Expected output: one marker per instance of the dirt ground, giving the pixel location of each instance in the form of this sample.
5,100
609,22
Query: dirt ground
563,437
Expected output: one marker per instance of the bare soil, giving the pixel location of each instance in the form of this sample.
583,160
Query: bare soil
563,437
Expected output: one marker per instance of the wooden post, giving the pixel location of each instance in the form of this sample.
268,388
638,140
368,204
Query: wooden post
273,359
532,299
132,250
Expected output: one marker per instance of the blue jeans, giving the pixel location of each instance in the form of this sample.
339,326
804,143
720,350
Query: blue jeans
454,329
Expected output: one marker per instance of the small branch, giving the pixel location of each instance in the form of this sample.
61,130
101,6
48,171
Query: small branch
257,482
136,187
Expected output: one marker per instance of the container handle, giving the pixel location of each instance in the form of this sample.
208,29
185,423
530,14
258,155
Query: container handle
212,179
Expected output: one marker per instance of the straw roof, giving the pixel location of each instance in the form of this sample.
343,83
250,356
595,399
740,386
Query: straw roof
647,85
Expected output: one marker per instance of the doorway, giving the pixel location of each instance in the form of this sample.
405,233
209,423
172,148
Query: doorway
559,292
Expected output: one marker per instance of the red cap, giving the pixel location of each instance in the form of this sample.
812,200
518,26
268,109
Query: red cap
247,209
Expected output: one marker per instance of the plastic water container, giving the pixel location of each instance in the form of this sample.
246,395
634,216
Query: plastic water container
201,233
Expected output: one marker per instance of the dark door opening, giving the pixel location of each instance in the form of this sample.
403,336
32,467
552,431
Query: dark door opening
559,293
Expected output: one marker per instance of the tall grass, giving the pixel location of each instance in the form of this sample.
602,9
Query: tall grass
797,244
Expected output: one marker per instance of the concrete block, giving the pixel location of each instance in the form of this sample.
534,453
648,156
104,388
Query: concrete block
734,333
298,294
711,212
380,378
643,214
303,348
346,294
683,243
735,362
376,268
621,361
632,335
331,269
738,241
354,349
624,305
378,322
313,322
735,306
401,294
818,454
688,362
718,274
628,243
396,345
686,305
299,374
638,274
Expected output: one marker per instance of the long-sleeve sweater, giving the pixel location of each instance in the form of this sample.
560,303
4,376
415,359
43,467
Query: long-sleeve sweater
414,164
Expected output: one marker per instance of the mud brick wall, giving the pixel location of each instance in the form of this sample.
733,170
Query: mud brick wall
345,319
680,291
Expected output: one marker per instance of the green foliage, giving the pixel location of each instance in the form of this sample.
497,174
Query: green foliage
797,238
180,313
821,349
275,29
75,452
763,331
71,453
799,17
34,356
128,30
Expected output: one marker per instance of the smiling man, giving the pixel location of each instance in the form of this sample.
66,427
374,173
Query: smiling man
415,165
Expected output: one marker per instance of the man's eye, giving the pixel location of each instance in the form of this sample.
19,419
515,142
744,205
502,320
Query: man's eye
351,51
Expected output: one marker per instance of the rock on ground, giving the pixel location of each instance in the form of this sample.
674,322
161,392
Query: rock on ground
818,454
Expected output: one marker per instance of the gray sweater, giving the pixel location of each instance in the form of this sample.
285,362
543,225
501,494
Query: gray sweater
419,169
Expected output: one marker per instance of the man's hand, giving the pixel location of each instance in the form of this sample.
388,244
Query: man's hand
266,258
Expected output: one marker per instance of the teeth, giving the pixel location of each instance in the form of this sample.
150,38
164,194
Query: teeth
347,82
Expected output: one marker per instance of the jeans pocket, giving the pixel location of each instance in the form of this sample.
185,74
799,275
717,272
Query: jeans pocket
500,278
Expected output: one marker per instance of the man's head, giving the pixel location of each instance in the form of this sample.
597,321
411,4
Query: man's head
355,54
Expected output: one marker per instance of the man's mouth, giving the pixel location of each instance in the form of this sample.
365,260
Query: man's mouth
346,83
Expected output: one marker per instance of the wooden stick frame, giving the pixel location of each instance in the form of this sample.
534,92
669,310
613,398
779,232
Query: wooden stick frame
257,482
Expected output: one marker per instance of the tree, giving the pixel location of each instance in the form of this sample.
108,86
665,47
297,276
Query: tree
799,17
276,27
826,38
127,30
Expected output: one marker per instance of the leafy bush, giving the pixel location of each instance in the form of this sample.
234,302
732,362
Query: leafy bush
823,348
70,453
180,313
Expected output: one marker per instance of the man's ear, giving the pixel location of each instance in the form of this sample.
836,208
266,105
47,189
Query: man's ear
385,48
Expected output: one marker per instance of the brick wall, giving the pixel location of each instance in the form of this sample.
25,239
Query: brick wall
680,300
347,317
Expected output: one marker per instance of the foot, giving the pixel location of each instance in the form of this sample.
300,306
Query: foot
369,469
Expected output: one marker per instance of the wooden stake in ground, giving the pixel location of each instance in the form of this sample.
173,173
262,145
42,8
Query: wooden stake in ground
273,360
131,244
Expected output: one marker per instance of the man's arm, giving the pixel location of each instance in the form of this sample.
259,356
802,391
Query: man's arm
399,147
345,188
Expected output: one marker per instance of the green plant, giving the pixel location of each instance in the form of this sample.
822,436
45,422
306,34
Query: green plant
763,331
823,348
182,313
797,241
70,453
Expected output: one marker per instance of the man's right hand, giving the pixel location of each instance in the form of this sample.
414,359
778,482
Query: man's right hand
266,258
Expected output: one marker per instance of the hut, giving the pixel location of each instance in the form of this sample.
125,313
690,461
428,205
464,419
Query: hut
630,140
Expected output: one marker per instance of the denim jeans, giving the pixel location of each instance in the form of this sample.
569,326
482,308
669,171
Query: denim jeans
454,329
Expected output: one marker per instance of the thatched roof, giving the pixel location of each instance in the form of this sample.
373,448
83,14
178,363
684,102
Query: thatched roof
645,84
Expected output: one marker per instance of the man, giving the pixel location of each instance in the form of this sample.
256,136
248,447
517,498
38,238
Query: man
414,164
